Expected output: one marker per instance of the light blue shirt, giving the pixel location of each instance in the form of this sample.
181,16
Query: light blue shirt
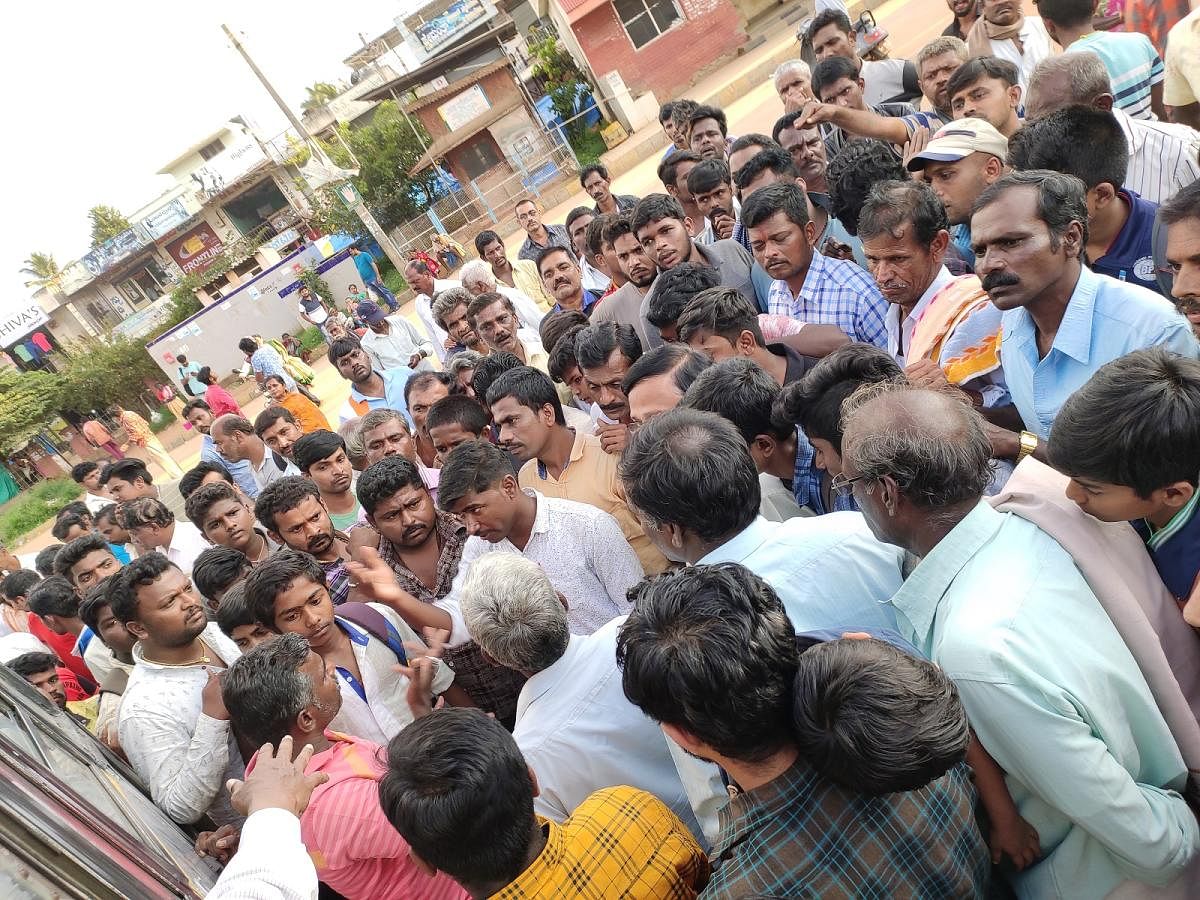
1105,319
240,472
829,571
394,381
1057,699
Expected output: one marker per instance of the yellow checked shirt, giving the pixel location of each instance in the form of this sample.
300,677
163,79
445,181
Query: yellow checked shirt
620,842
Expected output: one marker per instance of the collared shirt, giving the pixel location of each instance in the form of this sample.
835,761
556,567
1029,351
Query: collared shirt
625,203
374,708
1182,84
1105,318
359,404
356,850
527,280
238,471
829,571
556,236
1133,67
1175,548
365,263
1131,255
590,298
394,349
269,470
337,579
1057,699
493,688
183,755
899,334
1035,46
800,835
591,477
593,279
95,655
576,709
187,542
96,502
808,480
271,861
1164,157
733,263
835,292
267,361
583,553
424,305
620,842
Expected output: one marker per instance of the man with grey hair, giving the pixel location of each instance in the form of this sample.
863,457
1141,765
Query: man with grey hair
793,83
1163,156
450,314
478,278
574,725
1051,689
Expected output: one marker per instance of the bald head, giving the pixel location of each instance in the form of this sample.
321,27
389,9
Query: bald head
1069,79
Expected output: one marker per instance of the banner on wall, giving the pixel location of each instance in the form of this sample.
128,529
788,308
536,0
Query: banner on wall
196,250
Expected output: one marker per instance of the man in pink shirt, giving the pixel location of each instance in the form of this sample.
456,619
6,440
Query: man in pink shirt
282,688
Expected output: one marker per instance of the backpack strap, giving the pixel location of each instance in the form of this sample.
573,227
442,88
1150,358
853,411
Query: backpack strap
375,624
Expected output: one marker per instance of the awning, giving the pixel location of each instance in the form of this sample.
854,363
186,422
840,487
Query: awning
459,136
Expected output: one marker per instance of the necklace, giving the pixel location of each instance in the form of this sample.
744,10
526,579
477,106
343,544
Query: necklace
205,659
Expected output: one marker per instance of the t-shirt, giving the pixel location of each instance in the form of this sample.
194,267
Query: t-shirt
1133,67
366,266
1175,548
1131,256
888,80
837,139
343,521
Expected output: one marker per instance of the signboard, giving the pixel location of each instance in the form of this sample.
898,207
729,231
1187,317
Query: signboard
115,249
436,25
461,109
282,239
17,323
163,219
349,195
196,250
228,166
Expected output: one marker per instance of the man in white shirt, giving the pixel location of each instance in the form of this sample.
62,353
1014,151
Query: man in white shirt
173,726
421,280
572,708
153,526
391,341
478,278
236,439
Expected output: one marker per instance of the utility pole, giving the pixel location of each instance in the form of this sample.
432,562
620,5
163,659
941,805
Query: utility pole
358,208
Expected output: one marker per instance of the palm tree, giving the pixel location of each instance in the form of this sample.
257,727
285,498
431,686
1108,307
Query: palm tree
41,269
319,94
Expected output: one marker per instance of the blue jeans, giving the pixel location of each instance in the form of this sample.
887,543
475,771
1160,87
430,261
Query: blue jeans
380,290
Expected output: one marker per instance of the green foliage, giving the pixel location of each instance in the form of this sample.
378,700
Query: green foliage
161,419
564,83
41,269
393,280
319,95
107,222
27,401
99,374
330,215
36,506
315,283
310,338
589,146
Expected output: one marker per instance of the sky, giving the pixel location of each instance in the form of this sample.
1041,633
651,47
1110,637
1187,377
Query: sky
101,96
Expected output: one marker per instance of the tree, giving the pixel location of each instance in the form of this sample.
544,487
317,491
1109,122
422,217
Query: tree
107,223
98,374
41,269
319,95
564,79
28,400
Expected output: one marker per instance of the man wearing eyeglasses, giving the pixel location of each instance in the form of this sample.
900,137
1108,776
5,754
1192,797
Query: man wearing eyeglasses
541,236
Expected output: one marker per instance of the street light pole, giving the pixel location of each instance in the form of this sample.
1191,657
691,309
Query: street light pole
373,227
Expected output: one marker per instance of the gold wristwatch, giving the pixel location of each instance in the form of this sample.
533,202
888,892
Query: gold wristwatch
1029,443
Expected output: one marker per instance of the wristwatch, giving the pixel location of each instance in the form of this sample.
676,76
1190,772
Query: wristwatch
1029,443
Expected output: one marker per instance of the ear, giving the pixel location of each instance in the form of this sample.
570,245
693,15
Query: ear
889,494
1052,30
1073,240
745,343
940,242
1104,194
674,534
1014,96
136,629
546,414
537,788
1177,495
765,444
688,224
993,168
810,233
1104,102
305,721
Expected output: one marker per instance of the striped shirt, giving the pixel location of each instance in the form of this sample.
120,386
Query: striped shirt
1163,157
1133,67
835,292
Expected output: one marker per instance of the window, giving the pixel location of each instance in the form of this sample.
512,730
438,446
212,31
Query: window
208,151
644,20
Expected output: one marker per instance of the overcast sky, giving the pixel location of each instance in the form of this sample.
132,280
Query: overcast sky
102,96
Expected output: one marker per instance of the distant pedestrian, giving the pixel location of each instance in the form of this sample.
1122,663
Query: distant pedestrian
368,271
99,436
219,400
140,435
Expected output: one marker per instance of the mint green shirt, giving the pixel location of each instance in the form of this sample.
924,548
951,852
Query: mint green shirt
1056,697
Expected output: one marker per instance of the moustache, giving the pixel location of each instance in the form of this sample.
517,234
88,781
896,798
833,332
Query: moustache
993,280
319,542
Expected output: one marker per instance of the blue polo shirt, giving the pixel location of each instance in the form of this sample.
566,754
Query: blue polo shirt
366,270
589,300
1131,256
394,381
1175,548
1105,319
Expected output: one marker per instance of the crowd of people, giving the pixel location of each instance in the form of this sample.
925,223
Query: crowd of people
824,525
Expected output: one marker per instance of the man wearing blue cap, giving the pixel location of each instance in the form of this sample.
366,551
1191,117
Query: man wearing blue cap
392,342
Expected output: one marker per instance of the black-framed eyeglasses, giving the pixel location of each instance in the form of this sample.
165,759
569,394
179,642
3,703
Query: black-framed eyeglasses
840,484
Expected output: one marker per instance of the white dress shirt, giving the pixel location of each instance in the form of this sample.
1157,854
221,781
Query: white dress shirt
272,862
95,502
183,755
1164,157
579,733
899,334
187,542
394,349
96,656
593,279
267,471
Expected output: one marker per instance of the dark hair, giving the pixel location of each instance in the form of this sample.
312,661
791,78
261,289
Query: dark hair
73,552
856,169
1066,13
492,367
593,237
615,226
382,479
64,523
815,401
555,324
979,67
598,168
652,208
342,347
711,650
721,310
270,578
234,424
487,298
44,561
216,568
96,599
664,111
1184,205
686,363
783,123
201,500
831,70
891,204
740,391
783,196
1076,140
269,416
544,254
875,720
675,288
53,596
577,213
75,508
829,16
753,139
422,380
769,159
196,403
109,511
316,446
128,469
458,791
704,111
693,469
1135,423
707,175
194,477
205,376
283,495
484,239
470,468
141,572
234,611
668,175
1061,200
17,584
145,511
596,343
35,662
82,470
418,264
529,388
458,409
247,345
264,691
562,356
274,376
